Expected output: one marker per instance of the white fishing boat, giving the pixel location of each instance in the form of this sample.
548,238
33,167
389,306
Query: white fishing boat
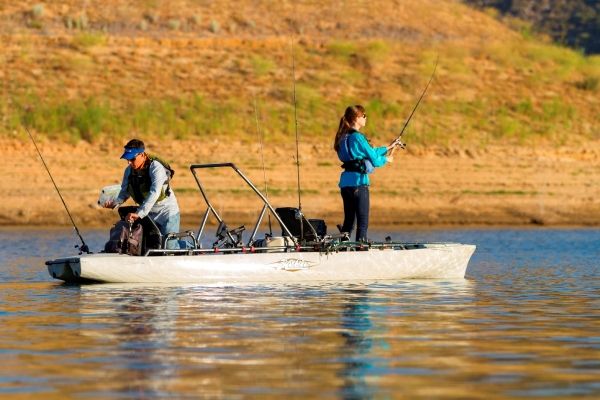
304,252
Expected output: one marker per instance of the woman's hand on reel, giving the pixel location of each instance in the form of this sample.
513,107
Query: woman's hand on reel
394,144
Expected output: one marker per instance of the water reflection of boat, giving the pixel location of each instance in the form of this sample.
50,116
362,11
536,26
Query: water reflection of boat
343,338
304,252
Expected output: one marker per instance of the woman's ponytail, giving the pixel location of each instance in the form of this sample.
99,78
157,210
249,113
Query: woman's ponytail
346,123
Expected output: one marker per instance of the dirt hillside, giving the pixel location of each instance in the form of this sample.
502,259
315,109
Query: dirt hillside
507,135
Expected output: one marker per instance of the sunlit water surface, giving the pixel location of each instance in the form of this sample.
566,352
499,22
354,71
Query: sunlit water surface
525,323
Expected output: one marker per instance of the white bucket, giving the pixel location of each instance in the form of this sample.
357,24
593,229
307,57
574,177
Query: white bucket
108,193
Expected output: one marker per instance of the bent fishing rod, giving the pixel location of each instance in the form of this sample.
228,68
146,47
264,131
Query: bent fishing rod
84,247
403,145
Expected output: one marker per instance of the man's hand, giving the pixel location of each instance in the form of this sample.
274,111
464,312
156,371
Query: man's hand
132,217
109,204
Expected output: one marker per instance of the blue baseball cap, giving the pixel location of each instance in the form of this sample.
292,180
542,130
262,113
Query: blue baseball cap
131,152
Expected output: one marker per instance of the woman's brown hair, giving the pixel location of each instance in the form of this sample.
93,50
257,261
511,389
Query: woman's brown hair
346,123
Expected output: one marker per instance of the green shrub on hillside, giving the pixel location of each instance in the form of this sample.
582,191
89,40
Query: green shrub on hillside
589,83
262,65
436,122
77,22
342,49
377,50
89,39
38,10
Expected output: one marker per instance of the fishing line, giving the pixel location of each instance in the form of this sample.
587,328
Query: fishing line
262,156
83,247
296,124
299,216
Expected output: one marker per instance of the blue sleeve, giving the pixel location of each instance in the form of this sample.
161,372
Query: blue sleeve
124,193
363,148
382,151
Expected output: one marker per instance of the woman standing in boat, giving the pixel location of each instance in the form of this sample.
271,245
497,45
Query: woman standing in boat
360,159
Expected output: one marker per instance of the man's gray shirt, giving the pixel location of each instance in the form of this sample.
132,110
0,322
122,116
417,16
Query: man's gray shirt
158,211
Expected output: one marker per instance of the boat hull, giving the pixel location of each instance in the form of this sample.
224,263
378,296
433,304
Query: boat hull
433,261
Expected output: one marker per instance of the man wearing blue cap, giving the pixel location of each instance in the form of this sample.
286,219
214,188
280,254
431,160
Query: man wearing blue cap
146,180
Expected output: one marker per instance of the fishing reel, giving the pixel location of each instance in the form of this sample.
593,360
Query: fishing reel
398,144
228,238
83,249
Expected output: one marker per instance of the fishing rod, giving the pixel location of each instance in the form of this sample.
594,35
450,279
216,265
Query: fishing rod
299,216
403,145
84,247
262,156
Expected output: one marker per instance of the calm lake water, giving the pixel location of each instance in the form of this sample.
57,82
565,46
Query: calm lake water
525,323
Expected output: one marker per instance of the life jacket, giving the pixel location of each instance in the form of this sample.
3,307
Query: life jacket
351,163
139,183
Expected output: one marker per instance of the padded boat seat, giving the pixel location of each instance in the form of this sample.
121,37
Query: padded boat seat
314,229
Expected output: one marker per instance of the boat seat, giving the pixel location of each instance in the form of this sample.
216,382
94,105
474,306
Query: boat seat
314,229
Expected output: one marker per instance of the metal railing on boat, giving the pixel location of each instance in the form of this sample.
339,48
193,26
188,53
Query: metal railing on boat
335,247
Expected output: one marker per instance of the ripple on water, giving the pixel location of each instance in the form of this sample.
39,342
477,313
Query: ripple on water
523,324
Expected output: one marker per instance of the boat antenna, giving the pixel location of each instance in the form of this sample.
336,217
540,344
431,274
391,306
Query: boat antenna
84,247
299,216
262,156
403,145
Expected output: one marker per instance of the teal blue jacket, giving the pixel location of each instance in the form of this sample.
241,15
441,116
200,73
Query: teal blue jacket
361,149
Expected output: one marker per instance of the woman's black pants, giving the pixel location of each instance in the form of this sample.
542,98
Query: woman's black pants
356,207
